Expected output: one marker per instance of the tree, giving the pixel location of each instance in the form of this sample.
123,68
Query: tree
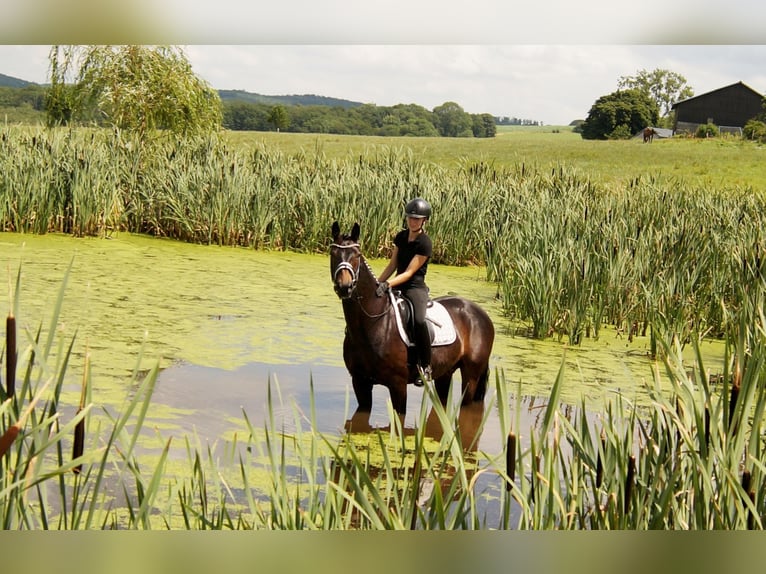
452,121
138,88
484,125
278,117
663,86
619,115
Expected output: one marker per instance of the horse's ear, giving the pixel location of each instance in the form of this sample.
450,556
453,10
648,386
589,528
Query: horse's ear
355,232
335,230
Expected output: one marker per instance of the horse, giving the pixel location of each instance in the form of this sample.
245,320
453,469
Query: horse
375,352
649,134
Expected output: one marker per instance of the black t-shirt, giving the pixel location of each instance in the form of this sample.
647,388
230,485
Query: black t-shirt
407,250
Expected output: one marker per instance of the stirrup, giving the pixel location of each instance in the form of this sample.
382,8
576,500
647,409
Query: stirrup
425,376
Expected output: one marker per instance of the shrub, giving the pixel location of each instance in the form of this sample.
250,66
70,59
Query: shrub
755,130
707,131
621,132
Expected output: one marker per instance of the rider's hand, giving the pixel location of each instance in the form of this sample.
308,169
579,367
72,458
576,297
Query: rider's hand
382,288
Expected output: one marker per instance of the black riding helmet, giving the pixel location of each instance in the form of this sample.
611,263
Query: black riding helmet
418,207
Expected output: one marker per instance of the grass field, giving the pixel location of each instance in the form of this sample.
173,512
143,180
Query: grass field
720,162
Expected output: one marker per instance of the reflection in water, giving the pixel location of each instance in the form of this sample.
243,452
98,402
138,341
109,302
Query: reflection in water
207,401
436,452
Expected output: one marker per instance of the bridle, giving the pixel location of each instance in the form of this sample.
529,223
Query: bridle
354,278
347,266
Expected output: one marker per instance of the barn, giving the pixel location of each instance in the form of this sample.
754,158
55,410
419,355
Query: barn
729,108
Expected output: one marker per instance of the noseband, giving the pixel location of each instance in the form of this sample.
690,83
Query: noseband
345,265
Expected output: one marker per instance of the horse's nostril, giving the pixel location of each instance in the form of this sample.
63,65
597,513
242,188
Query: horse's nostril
342,290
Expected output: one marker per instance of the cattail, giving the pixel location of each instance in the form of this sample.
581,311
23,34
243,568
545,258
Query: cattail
600,463
10,355
13,431
746,482
629,481
510,459
8,437
733,403
79,440
79,429
533,475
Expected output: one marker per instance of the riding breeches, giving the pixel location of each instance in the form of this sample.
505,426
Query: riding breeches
419,298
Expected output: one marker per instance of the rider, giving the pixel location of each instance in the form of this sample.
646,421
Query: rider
412,250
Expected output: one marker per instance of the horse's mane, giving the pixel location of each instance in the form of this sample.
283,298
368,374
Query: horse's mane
366,264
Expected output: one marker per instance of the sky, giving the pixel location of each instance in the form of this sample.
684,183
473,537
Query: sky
547,60
555,84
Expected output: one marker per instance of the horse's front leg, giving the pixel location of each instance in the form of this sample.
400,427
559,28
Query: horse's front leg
398,392
363,391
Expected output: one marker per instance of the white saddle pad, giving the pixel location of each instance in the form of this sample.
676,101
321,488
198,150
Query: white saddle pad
437,315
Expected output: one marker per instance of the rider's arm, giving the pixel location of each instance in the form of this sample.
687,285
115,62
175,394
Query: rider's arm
416,263
391,267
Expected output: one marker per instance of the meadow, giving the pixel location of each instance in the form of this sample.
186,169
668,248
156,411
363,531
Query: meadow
664,240
722,162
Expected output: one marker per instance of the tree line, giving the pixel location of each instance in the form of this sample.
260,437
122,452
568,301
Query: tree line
446,120
145,88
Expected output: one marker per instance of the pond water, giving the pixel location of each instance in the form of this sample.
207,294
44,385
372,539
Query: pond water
224,322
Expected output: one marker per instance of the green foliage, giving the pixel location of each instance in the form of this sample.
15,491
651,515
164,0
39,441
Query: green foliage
367,119
452,121
279,118
131,87
577,126
755,130
663,86
707,131
629,108
484,126
620,132
30,96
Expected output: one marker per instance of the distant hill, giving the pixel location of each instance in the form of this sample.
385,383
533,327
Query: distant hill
11,82
235,95
293,100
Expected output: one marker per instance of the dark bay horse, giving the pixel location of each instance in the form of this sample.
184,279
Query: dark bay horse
649,134
375,353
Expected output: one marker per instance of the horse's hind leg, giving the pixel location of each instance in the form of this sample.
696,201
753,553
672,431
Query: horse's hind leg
481,385
474,383
442,385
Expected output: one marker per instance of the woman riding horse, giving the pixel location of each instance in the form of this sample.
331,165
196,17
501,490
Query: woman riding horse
412,250
375,352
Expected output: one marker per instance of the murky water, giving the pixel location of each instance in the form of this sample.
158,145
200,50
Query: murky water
223,322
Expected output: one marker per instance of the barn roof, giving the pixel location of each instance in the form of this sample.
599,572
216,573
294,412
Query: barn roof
735,84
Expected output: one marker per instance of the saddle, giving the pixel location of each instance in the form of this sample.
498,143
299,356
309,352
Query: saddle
440,325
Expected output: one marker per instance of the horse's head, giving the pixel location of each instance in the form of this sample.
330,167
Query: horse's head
345,258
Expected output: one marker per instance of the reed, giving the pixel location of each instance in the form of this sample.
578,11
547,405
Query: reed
692,459
570,255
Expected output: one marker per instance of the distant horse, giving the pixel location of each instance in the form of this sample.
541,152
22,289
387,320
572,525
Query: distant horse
373,349
649,134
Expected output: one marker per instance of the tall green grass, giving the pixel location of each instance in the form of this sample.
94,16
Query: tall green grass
570,255
693,459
